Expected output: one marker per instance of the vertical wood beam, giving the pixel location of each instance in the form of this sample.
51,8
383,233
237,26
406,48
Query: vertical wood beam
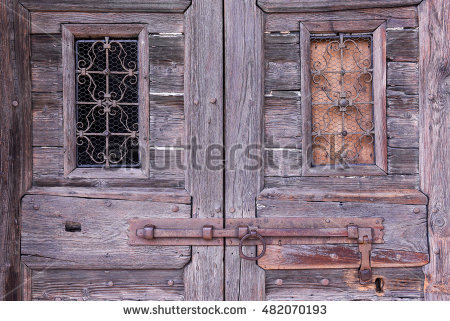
15,146
244,96
204,128
434,84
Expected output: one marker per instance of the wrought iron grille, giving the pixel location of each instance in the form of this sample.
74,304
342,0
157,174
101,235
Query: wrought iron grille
107,106
342,102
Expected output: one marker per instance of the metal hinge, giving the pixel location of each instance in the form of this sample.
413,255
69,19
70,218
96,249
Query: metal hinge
261,231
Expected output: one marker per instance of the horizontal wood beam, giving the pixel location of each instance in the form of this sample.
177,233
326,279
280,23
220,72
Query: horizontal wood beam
107,5
330,5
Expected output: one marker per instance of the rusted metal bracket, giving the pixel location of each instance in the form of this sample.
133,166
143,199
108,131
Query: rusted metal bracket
261,231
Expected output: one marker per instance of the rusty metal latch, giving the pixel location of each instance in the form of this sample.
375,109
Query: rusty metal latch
263,232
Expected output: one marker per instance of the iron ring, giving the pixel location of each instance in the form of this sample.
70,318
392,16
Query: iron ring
241,243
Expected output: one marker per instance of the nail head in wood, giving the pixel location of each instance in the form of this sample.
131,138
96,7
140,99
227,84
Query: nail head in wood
325,282
279,282
416,210
213,100
232,210
36,206
175,208
217,209
170,283
15,103
195,101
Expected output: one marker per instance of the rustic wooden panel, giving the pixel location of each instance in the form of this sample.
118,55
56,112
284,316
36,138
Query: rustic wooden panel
82,285
50,22
396,17
402,45
244,71
204,93
323,285
47,119
166,63
167,164
282,61
15,137
434,148
363,182
403,160
403,131
107,5
335,194
294,257
398,101
403,76
282,162
405,227
102,241
165,195
314,6
282,122
48,162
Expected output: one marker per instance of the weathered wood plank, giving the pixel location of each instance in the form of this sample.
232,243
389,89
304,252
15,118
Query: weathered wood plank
165,195
46,22
396,17
393,284
295,257
403,131
391,196
82,285
15,133
108,5
402,45
403,76
434,79
405,227
403,161
282,162
364,182
244,63
315,6
204,279
166,63
47,119
102,241
282,122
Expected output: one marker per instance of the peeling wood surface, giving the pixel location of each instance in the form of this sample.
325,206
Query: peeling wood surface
294,257
343,284
102,241
111,285
434,79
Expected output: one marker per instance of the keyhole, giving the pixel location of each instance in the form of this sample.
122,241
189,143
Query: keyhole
379,285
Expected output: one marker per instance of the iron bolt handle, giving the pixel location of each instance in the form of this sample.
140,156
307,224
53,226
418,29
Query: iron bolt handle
252,235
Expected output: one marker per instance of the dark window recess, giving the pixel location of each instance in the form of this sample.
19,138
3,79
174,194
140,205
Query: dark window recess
107,108
342,99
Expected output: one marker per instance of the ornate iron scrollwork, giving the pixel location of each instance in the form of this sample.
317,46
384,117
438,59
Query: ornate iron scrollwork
342,102
107,103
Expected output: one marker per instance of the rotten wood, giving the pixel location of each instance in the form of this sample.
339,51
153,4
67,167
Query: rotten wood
434,80
15,147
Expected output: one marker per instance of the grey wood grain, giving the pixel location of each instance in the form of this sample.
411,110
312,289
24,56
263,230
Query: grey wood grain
102,241
15,147
204,277
244,124
434,80
107,285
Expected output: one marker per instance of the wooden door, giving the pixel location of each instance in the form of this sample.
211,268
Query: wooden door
289,78
147,72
